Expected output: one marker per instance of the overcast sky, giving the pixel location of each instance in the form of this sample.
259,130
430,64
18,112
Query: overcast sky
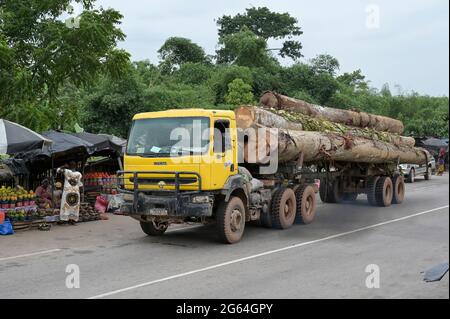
408,45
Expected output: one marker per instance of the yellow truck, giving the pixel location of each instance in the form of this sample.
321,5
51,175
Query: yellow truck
183,166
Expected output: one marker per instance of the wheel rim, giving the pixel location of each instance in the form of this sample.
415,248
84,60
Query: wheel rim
288,208
309,205
236,220
401,189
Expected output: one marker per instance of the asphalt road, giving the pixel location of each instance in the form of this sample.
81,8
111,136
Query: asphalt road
326,259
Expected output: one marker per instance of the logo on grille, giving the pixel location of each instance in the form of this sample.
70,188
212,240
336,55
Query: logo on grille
161,184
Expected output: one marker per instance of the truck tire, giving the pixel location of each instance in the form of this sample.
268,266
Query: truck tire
349,197
384,192
306,204
412,176
151,230
283,208
371,189
230,218
336,195
325,191
399,189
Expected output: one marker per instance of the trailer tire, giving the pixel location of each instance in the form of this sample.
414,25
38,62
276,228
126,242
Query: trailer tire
399,189
371,189
349,197
151,230
384,192
230,218
325,192
284,206
336,195
306,204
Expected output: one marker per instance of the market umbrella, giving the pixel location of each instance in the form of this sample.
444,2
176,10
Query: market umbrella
15,138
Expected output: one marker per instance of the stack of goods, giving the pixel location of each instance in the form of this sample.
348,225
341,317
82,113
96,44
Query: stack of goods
18,205
322,133
88,213
99,183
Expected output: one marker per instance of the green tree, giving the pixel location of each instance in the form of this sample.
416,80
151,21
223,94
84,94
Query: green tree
325,63
224,75
39,54
267,25
112,104
243,48
177,51
239,93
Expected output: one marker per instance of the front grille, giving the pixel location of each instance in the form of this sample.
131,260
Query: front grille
168,181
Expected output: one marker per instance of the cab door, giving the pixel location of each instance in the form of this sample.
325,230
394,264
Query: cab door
223,162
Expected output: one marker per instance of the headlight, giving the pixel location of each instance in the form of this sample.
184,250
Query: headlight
201,199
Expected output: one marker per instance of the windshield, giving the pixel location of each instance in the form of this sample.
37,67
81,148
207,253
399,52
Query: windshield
177,136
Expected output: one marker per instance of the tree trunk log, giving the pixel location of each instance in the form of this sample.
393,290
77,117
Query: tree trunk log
251,116
347,117
318,146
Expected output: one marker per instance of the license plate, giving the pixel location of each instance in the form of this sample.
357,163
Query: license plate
159,212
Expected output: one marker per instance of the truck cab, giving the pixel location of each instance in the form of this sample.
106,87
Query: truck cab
182,166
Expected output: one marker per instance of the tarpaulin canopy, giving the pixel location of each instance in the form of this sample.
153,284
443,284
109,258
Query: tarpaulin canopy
118,141
15,138
102,145
65,148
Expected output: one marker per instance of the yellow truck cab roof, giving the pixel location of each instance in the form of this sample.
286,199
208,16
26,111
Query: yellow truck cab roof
185,113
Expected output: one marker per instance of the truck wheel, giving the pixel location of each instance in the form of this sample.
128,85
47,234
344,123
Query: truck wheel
371,189
384,192
283,208
325,192
230,218
399,189
154,230
306,204
349,197
336,192
412,176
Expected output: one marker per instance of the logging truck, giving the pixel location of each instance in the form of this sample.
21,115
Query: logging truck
184,166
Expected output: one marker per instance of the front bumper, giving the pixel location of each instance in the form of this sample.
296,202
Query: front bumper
167,206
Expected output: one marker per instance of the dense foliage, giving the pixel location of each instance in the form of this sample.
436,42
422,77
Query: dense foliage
53,76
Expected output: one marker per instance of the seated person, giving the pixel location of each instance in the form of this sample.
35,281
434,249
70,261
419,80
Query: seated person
43,192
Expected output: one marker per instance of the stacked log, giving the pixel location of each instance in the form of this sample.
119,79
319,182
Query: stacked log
320,139
347,117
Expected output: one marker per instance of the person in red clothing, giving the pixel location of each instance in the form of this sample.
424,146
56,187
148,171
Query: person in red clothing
43,192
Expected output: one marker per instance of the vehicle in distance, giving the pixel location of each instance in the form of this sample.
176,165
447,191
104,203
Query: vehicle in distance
411,171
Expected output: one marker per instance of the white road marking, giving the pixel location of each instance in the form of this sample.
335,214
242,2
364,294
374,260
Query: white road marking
114,292
31,254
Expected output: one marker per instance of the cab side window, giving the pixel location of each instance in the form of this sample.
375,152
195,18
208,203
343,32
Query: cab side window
221,136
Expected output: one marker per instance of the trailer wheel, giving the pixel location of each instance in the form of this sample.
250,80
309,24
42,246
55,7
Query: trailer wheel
283,208
384,192
325,191
349,197
399,189
371,189
306,204
336,195
154,229
230,217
